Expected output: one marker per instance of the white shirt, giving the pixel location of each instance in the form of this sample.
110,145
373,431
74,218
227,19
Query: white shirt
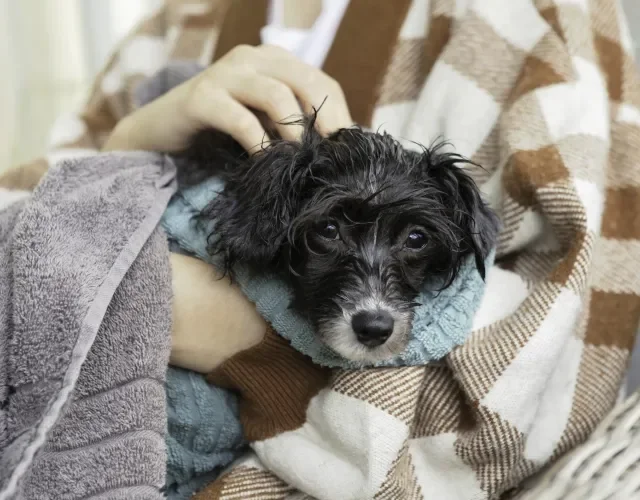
312,45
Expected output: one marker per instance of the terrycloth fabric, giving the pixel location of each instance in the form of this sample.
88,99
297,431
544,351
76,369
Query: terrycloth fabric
85,321
507,83
442,321
204,433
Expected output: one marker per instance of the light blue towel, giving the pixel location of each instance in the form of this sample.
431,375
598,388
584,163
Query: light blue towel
441,322
204,432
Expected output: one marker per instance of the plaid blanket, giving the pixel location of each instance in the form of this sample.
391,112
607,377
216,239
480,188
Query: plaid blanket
545,96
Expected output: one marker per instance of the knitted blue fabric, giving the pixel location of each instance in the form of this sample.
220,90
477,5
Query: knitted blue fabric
441,322
204,432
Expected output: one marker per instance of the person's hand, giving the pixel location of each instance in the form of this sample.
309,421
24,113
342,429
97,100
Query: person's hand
265,78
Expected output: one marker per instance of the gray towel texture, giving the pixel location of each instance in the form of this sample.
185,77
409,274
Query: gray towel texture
85,319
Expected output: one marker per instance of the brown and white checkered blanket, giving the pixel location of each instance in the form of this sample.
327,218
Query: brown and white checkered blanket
545,96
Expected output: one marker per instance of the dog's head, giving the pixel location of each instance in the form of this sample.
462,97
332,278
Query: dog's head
359,224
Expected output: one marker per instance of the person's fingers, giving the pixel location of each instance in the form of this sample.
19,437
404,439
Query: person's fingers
311,85
215,107
270,96
314,88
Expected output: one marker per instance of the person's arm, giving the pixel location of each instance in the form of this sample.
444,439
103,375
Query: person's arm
212,319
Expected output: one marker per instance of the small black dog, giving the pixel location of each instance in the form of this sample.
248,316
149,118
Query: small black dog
356,222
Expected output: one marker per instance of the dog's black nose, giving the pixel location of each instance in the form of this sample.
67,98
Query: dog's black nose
372,328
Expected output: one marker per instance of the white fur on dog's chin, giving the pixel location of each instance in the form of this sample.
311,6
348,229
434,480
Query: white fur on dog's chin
340,337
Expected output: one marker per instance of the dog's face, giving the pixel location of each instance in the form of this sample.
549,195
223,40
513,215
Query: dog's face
362,263
359,225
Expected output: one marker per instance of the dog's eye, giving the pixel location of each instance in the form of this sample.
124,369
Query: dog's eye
416,240
328,230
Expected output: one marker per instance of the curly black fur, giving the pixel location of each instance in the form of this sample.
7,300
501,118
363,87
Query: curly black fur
277,204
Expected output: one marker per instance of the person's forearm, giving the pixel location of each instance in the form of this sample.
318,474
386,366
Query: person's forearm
141,131
212,320
160,125
122,139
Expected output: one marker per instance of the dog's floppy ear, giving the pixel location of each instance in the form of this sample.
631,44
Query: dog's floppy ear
478,224
260,200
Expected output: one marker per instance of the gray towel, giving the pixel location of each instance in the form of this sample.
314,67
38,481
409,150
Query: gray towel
85,305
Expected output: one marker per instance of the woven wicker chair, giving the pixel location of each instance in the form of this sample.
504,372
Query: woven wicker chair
605,467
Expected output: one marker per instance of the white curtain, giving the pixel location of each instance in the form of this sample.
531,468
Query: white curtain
632,10
50,50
